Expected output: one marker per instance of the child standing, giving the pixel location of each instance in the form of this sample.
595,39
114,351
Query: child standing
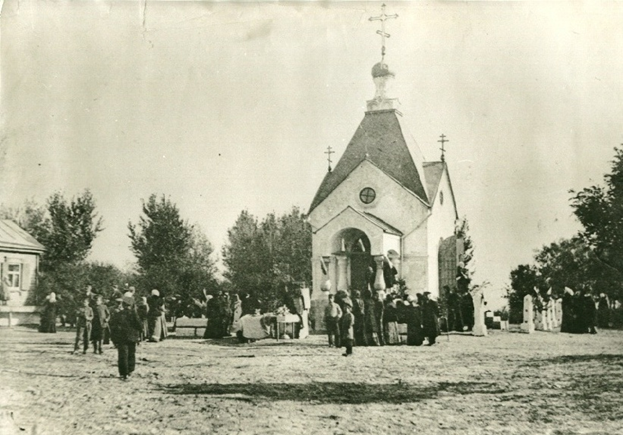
126,332
100,324
332,321
84,317
346,327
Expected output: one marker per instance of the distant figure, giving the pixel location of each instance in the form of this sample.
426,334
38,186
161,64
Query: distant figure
379,314
346,327
84,318
455,318
101,318
214,323
588,313
237,312
391,328
125,333
467,310
567,311
414,323
430,314
371,329
142,309
359,317
333,314
48,316
604,311
154,316
225,314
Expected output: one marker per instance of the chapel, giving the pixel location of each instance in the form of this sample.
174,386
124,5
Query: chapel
383,197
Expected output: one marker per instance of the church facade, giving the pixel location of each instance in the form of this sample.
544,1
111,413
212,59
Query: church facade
381,197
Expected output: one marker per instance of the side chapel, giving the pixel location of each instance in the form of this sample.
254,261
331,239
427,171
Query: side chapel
382,197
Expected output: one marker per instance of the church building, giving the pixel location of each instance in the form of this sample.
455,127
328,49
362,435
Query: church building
383,196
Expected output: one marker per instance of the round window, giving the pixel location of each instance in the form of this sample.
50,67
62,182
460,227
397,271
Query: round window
367,195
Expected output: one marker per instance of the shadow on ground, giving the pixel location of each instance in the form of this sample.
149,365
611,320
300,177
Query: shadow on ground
605,359
332,393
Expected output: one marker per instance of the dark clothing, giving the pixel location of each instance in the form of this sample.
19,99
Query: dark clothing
604,313
358,327
48,318
126,358
414,326
346,327
430,313
389,274
100,322
142,311
214,324
155,304
567,314
455,316
371,329
467,310
588,314
125,327
379,315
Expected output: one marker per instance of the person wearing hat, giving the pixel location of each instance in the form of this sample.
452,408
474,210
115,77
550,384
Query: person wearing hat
126,332
333,316
430,314
346,326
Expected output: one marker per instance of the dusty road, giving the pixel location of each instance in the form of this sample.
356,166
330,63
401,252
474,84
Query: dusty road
545,383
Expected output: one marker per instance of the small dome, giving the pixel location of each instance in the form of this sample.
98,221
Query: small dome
380,69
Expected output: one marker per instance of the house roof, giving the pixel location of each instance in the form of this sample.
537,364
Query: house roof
15,239
381,139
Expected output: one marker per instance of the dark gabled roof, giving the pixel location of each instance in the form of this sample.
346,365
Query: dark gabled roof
15,239
433,175
381,140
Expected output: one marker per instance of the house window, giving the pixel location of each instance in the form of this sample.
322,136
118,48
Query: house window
14,275
367,195
441,197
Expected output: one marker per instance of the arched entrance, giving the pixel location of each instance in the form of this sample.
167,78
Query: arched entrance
354,245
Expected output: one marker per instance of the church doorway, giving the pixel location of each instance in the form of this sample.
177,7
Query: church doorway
355,246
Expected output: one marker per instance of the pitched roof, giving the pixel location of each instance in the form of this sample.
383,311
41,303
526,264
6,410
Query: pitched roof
376,221
14,238
381,139
433,175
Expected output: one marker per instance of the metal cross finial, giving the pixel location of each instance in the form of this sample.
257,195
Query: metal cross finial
383,17
329,152
442,140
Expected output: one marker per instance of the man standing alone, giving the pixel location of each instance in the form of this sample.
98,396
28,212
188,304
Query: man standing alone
125,332
333,315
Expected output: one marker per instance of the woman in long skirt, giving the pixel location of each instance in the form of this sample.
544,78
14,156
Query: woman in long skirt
370,322
391,328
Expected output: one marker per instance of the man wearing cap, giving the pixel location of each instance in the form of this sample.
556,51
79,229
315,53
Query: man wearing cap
125,332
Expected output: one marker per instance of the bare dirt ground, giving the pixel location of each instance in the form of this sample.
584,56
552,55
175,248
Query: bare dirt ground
544,383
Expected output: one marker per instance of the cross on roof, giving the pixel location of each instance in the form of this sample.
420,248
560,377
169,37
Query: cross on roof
329,152
383,17
442,140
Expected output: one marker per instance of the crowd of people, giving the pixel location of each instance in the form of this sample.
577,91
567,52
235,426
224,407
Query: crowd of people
582,314
376,319
126,321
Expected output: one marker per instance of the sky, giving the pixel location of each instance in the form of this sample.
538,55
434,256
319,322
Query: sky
225,106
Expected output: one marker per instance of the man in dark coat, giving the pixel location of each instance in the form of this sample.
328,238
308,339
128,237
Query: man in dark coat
414,324
125,332
358,314
567,311
467,310
430,314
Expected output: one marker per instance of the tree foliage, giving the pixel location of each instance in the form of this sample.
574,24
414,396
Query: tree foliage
591,260
263,258
66,228
599,209
172,255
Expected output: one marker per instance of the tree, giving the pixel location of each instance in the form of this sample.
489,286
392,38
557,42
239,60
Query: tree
172,255
69,230
66,229
599,209
264,258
